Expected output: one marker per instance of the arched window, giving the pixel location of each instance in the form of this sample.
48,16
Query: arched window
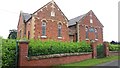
28,34
20,33
43,28
59,30
92,29
96,34
86,29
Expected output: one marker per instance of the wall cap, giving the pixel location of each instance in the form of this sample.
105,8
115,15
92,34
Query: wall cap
23,41
56,55
105,42
114,51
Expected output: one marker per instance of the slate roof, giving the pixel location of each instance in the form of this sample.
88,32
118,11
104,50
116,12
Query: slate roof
26,16
76,19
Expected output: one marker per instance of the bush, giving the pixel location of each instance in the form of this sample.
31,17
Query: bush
37,47
113,47
8,53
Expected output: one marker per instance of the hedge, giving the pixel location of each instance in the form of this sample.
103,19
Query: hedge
37,47
113,47
8,53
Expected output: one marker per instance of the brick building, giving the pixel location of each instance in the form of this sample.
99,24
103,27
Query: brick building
86,27
49,22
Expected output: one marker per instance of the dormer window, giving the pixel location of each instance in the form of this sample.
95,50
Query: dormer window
52,13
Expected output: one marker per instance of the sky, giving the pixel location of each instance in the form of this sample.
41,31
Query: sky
105,10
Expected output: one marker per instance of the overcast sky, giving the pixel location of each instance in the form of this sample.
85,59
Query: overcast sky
105,10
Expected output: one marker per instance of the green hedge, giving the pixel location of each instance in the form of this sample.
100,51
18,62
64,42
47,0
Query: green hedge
37,47
113,47
8,53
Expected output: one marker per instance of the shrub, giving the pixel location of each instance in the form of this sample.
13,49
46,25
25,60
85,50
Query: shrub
8,53
37,47
113,47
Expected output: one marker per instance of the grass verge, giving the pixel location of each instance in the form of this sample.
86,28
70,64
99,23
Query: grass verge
90,62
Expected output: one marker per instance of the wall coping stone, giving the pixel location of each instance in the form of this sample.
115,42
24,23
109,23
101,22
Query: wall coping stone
114,51
24,41
56,55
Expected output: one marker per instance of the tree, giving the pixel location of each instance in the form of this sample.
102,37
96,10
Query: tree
1,37
12,34
113,42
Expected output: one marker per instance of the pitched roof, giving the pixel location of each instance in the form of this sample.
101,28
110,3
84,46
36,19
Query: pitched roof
76,19
26,16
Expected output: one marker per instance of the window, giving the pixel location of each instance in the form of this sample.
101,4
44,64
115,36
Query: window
96,34
59,30
86,29
28,34
91,29
43,28
52,13
91,21
20,34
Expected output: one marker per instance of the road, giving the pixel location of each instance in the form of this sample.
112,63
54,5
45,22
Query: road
113,63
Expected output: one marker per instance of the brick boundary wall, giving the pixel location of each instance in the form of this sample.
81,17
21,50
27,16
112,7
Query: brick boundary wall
114,53
24,61
106,48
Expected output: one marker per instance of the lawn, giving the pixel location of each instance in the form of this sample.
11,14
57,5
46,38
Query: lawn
90,62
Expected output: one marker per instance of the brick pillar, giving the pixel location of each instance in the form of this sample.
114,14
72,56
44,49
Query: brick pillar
94,50
23,52
106,48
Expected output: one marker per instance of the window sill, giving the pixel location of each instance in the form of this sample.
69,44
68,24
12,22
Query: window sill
96,39
86,39
43,36
59,37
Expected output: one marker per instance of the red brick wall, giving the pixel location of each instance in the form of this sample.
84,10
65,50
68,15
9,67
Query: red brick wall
114,53
28,28
23,53
52,24
23,60
57,61
20,26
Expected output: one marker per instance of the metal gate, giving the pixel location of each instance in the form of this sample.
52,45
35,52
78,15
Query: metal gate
17,55
100,51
